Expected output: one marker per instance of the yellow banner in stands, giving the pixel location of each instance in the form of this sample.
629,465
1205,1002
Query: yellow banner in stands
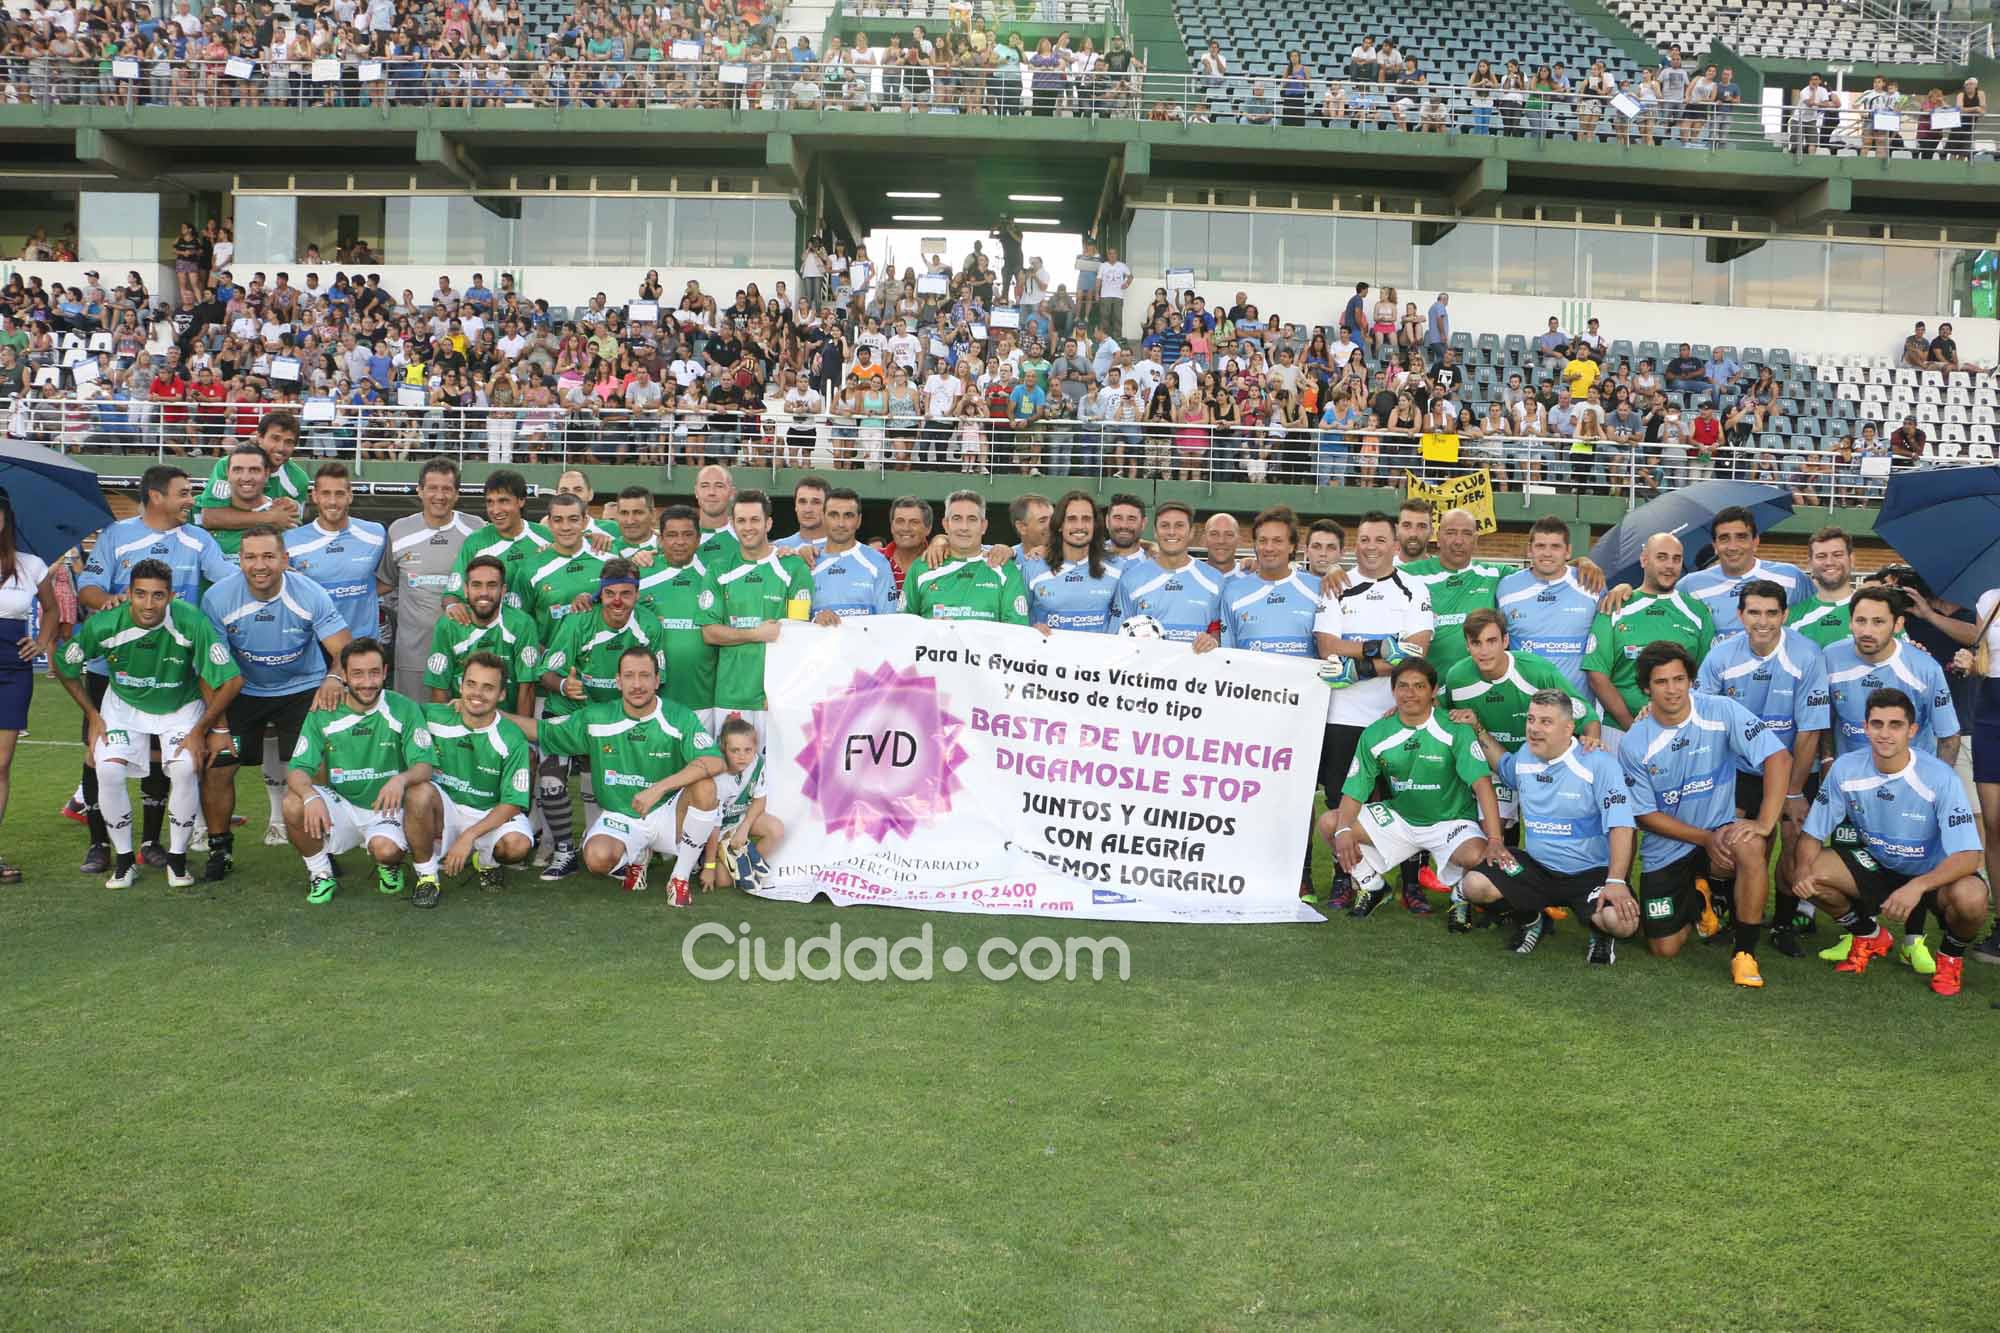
1472,492
1439,447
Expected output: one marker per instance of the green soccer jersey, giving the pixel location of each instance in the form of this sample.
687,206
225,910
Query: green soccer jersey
1502,705
586,645
287,483
362,751
1825,623
966,589
512,636
547,584
155,670
744,598
512,552
1430,768
1455,594
719,549
1615,641
628,754
620,547
674,597
480,767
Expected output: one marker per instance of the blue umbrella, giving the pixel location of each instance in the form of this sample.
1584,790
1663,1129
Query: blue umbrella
1946,523
1689,514
57,501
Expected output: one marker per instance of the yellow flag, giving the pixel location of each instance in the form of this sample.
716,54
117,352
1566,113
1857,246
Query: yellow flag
1472,492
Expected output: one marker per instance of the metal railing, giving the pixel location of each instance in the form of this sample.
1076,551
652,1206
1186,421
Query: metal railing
969,441
1943,40
1624,115
944,13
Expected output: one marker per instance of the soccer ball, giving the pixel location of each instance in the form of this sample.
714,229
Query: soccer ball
1143,627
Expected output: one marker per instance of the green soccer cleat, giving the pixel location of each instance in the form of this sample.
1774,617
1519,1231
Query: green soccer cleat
389,879
321,891
1916,951
1837,951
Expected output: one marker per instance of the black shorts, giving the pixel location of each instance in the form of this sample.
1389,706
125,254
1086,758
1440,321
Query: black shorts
1336,756
1874,882
1668,903
280,715
1535,888
1750,792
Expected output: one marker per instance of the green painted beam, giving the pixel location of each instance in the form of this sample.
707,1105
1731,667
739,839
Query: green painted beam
1817,202
102,148
441,150
784,158
1482,187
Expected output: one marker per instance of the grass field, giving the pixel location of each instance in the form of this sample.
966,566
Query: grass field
520,1111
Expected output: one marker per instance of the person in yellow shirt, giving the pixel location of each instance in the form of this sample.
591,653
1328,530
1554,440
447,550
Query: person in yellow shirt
1580,372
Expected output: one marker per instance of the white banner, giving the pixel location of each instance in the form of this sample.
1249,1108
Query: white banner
970,767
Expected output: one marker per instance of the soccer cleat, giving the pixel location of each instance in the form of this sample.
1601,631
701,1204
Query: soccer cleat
1556,913
75,810
1415,903
634,878
566,862
1428,881
1366,901
1708,924
152,854
1340,896
1527,936
179,879
218,867
97,860
321,891
1307,893
1602,950
427,892
491,878
1988,949
1785,939
124,876
1743,970
389,879
1866,951
678,893
274,836
1458,917
760,865
198,840
1837,951
1916,952
544,852
1949,977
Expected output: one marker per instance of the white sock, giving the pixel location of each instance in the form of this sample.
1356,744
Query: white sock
183,807
114,802
320,864
695,829
274,781
427,869
1368,875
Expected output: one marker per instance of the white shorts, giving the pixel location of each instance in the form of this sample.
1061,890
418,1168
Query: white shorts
129,733
1509,801
350,826
1396,840
642,837
458,818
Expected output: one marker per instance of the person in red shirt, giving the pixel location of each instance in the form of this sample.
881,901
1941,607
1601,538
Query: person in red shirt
169,392
208,394
910,523
1706,432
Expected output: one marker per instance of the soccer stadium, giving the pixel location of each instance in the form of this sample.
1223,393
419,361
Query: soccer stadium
998,663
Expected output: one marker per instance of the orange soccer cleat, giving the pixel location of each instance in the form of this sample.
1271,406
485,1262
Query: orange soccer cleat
1866,951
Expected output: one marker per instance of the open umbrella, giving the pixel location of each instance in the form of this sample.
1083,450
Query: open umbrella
57,501
1946,523
1689,514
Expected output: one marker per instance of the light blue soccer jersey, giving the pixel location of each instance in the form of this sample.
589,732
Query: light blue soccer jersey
1850,680
1270,615
190,552
1550,618
277,643
344,564
1718,591
1787,689
1689,771
1186,601
1569,805
1909,821
1071,599
857,582
800,540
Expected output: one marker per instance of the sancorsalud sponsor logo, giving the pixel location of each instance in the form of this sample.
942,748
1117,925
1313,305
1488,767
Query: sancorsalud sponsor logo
713,951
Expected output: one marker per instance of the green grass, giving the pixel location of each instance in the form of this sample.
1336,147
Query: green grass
520,1111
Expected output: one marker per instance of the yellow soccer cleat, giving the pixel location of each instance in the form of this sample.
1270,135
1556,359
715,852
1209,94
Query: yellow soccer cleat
1708,923
1743,971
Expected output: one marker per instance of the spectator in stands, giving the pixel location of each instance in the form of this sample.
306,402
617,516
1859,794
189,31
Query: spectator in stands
1943,353
1722,371
1971,103
1354,321
1816,109
1907,443
1930,134
1917,348
1685,373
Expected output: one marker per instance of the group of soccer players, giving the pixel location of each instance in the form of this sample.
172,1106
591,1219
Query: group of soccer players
1529,743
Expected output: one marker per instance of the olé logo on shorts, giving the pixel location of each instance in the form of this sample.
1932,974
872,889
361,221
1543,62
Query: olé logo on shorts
1659,908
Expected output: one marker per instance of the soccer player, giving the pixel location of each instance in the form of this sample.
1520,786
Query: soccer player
417,564
809,497
1172,587
340,553
561,580
1413,533
1220,537
285,631
1458,584
1375,621
599,534
284,485
1548,611
1324,540
170,677
483,775
159,531
1680,764
849,579
715,497
739,851
910,524
1918,844
375,749
644,752
507,536
494,627
1124,520
1873,658
245,505
965,585
1076,587
634,529
1823,616
1737,563
1657,613
1438,783
1778,674
743,604
1491,691
1032,515
1271,608
1577,835
671,590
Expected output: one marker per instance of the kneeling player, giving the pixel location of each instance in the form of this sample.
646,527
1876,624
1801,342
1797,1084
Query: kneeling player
739,852
484,772
1680,764
1919,844
376,751
1576,834
1438,781
645,753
